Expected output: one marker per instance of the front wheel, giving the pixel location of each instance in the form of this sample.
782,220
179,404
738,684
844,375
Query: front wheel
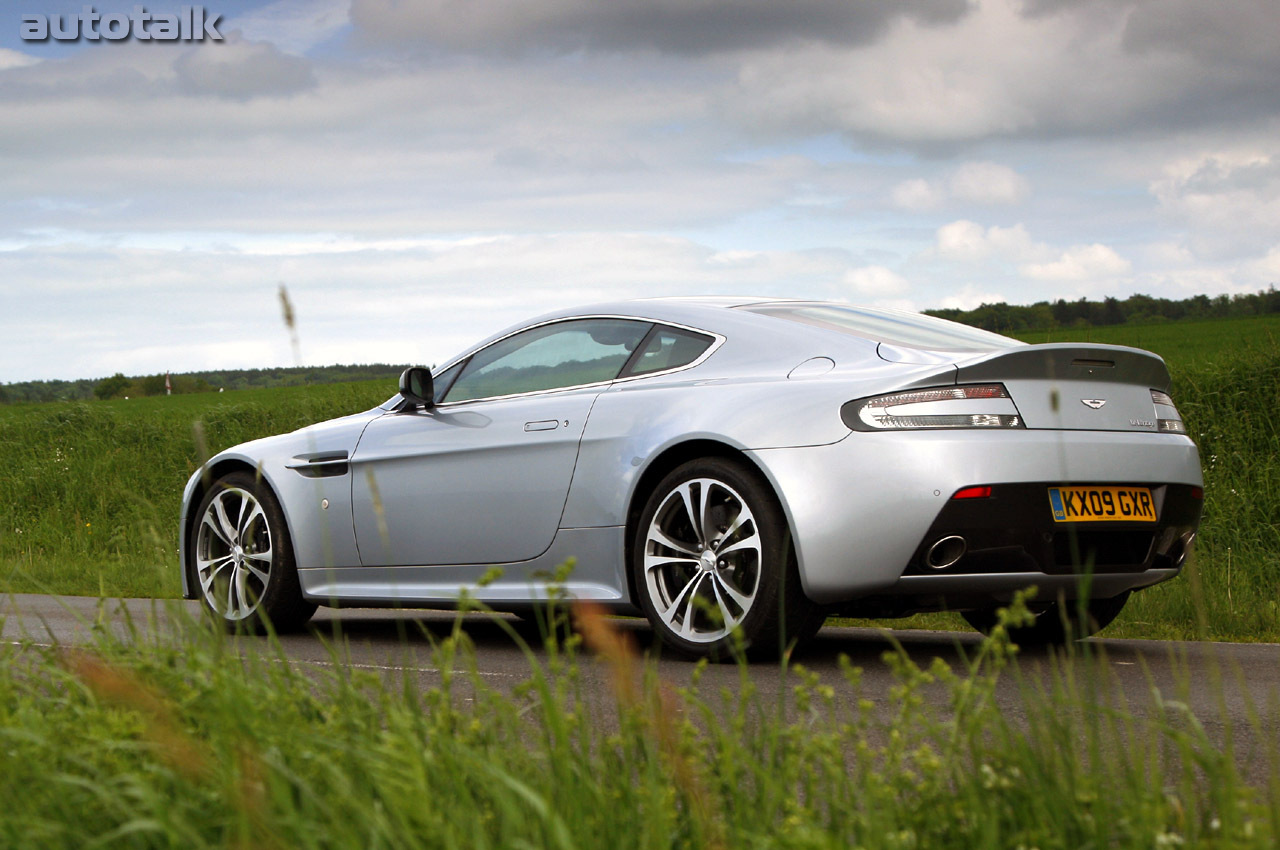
1057,623
243,558
713,564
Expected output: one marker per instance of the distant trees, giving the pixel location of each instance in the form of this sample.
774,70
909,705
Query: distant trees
1136,309
151,385
111,387
120,385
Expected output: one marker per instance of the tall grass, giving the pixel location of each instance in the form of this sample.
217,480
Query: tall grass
199,740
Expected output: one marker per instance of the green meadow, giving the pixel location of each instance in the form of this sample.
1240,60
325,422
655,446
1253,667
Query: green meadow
1183,345
89,491
92,489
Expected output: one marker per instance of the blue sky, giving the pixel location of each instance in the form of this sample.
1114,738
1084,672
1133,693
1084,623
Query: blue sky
421,174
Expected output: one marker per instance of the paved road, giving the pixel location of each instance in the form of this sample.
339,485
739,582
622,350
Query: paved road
1228,686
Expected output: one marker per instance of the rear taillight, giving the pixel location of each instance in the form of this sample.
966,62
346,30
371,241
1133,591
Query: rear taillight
975,406
972,493
1168,420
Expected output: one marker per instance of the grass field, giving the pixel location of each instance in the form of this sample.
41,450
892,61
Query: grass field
92,490
199,740
89,493
1183,345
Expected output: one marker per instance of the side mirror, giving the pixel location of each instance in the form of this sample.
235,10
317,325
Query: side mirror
416,387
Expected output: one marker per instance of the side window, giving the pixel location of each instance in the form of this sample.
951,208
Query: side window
669,348
564,354
445,379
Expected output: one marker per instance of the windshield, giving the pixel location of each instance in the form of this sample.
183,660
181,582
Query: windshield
894,327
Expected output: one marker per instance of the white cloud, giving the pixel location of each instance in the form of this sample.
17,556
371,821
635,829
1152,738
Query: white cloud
1165,254
240,69
1088,68
15,59
215,306
876,281
967,241
294,26
1265,271
988,183
918,195
983,183
970,297
398,150
1229,197
963,240
1080,263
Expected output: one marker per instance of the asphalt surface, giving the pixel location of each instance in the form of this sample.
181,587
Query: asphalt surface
1232,689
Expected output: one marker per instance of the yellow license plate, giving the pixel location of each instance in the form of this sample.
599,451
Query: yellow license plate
1102,504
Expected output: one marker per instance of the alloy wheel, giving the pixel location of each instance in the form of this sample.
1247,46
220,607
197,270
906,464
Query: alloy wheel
702,560
233,553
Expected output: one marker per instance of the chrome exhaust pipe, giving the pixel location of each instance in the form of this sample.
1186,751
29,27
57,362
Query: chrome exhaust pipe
946,551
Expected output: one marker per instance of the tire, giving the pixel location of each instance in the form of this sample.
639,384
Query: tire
697,588
243,558
1056,625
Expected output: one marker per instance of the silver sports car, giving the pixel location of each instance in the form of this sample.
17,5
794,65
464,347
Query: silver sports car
734,469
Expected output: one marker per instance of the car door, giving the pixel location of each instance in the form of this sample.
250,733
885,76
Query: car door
482,477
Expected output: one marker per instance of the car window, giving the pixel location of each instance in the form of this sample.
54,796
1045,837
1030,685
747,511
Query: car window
564,354
668,348
442,381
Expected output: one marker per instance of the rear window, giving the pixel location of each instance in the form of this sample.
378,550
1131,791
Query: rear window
912,330
668,348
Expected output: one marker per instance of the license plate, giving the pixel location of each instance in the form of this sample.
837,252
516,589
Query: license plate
1102,504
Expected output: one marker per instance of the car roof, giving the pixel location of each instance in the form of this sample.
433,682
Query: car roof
751,337
727,301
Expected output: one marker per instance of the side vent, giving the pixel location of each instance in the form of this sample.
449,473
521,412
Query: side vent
320,464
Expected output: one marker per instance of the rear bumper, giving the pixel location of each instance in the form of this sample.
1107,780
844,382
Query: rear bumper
862,510
1012,531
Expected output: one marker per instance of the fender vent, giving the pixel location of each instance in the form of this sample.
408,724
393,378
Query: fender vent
320,465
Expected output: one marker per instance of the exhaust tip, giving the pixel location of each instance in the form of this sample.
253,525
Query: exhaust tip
1181,548
946,551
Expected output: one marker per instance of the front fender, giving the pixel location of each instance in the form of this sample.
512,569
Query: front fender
307,473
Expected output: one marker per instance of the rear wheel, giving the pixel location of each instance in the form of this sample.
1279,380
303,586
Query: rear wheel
243,558
713,556
1056,624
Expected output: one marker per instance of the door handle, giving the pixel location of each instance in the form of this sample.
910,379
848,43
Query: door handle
542,425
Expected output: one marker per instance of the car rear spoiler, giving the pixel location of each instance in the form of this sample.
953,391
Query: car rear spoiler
1066,361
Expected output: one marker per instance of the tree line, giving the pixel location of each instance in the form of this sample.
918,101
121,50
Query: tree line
120,385
1134,310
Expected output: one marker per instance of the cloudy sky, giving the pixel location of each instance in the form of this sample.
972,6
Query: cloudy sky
419,174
